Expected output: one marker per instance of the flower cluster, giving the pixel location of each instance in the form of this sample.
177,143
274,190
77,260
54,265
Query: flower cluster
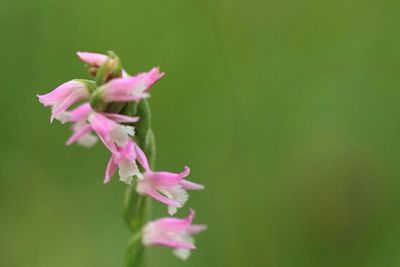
85,104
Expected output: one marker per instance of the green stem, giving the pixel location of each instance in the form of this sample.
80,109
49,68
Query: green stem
137,208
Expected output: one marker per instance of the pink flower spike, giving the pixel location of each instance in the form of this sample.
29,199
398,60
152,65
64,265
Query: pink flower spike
110,132
93,59
166,187
66,95
128,89
172,232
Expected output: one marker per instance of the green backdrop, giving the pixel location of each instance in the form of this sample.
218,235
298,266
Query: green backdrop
286,110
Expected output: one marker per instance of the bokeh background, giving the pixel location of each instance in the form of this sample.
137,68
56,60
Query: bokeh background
288,111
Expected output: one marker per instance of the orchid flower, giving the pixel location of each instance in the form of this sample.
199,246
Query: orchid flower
173,232
123,158
128,89
166,187
65,95
110,132
82,129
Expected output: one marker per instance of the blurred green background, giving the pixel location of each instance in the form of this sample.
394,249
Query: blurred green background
286,110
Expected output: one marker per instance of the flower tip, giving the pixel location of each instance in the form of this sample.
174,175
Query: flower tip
186,171
41,99
172,210
107,179
200,187
81,55
91,58
192,213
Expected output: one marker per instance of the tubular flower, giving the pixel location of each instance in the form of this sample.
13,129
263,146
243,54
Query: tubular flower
167,187
111,133
125,159
173,232
66,95
129,89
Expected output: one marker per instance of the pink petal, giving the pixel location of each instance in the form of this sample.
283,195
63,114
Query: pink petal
191,186
109,145
121,118
110,170
125,153
153,76
161,198
71,99
81,112
141,157
171,224
59,93
124,84
93,59
168,178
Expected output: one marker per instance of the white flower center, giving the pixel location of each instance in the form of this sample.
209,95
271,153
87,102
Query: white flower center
128,169
120,134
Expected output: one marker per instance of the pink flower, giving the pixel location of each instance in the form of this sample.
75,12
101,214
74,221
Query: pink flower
128,89
123,158
111,133
173,232
96,60
166,187
66,95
